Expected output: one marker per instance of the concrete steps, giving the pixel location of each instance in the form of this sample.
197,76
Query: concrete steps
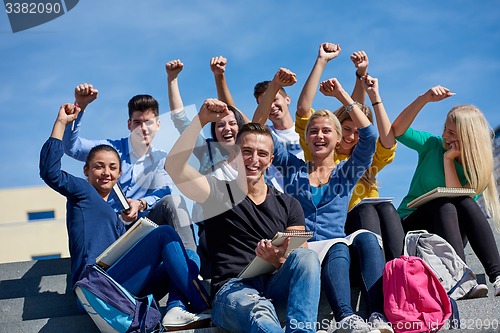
35,297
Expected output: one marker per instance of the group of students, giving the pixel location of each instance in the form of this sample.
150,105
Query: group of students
255,180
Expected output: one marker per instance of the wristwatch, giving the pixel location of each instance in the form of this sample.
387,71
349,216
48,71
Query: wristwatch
142,205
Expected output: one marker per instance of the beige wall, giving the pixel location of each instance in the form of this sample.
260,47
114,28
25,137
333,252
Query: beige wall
20,201
21,239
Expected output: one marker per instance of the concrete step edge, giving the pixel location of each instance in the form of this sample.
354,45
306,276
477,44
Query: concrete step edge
34,268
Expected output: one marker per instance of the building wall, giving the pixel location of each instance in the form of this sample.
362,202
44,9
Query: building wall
23,239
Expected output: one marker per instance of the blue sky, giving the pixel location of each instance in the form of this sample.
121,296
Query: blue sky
121,47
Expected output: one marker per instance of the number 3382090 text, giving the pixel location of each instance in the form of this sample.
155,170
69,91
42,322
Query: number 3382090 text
32,8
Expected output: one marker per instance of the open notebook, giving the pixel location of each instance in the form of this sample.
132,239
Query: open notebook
115,251
321,247
439,192
259,266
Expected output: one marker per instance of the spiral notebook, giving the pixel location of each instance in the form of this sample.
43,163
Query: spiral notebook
115,251
439,192
259,266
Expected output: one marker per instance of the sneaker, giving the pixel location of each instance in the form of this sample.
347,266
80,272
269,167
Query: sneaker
352,324
496,284
479,290
379,321
179,319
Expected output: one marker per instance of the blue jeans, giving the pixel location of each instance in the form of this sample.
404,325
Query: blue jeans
255,304
367,263
158,264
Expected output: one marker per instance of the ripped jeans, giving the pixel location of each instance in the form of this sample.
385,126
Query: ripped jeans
257,304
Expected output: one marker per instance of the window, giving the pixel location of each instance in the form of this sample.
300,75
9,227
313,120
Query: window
47,256
33,216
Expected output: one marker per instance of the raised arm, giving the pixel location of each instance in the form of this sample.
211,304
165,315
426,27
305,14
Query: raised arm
84,95
332,87
218,67
327,52
386,135
360,61
177,112
67,114
283,78
173,68
407,116
189,181
52,152
75,146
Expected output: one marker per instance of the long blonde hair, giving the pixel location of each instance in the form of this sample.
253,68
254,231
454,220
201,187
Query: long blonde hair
342,114
476,148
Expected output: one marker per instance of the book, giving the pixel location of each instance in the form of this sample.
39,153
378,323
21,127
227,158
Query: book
439,192
373,201
259,266
125,242
121,197
322,247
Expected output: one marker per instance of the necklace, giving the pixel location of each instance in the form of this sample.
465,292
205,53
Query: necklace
327,178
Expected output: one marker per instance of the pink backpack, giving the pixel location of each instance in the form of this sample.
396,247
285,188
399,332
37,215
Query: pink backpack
414,299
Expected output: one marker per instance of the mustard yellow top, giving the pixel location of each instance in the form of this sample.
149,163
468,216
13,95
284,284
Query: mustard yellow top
383,156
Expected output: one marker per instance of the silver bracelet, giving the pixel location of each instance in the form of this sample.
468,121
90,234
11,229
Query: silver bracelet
349,107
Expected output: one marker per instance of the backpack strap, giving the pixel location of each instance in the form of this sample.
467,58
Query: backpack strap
467,273
210,156
454,319
230,193
150,304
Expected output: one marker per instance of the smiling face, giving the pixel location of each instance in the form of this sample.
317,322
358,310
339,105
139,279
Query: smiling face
279,107
322,136
450,132
257,153
226,129
350,137
103,171
143,127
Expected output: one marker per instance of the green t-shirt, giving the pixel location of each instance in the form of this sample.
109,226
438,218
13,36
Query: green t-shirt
429,173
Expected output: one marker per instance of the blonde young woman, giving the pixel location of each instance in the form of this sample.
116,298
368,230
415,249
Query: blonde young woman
380,218
461,157
323,189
